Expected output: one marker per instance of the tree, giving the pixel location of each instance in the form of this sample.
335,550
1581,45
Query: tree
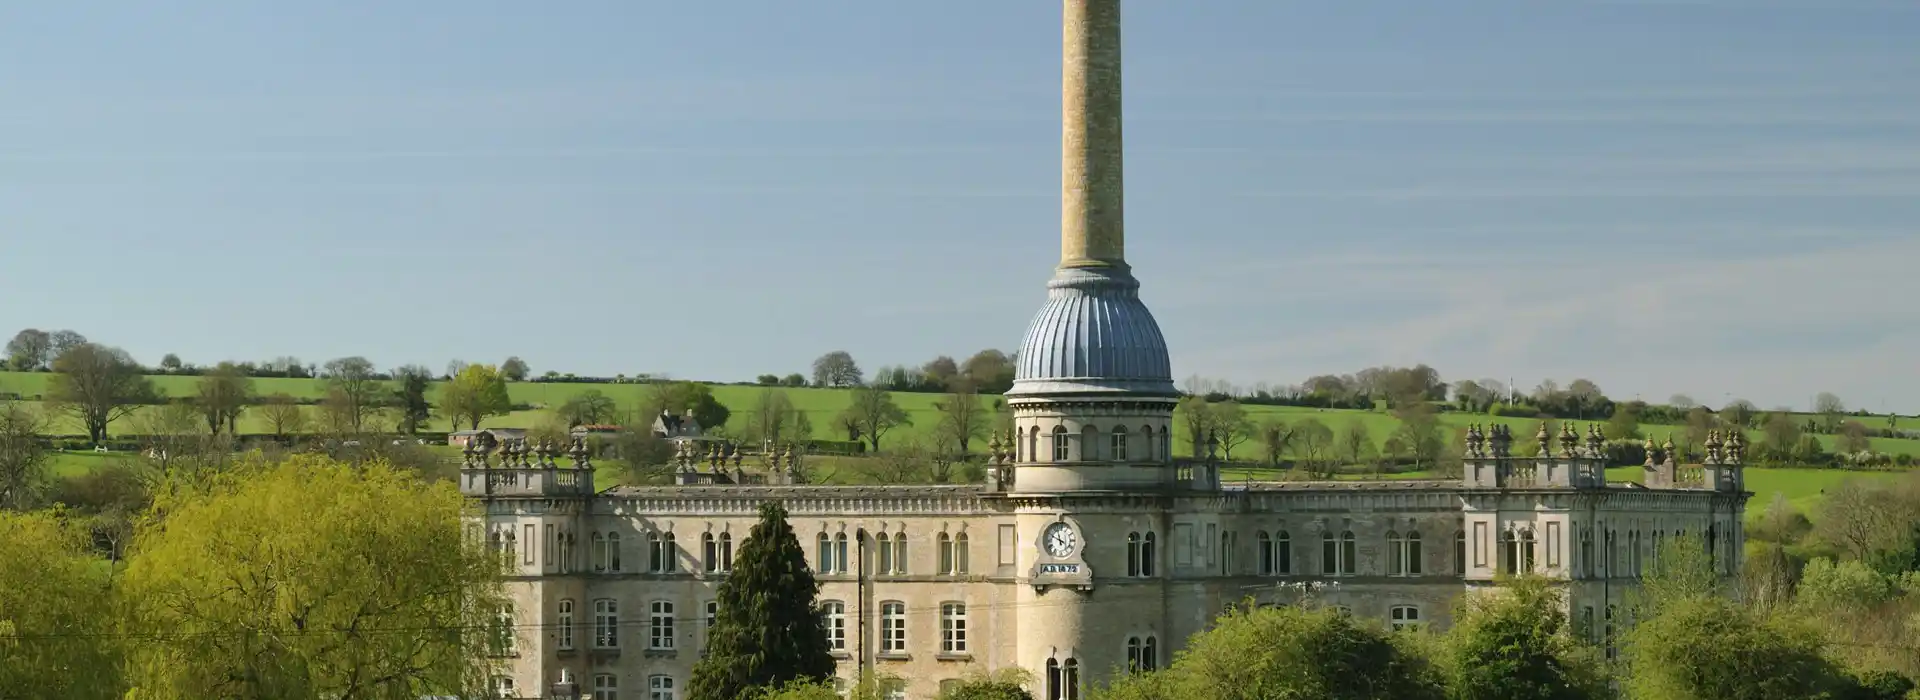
1257,653
1420,434
589,407
1006,684
1516,644
174,439
1277,438
1700,424
411,397
30,349
24,462
515,369
873,412
1625,423
454,366
1830,408
1682,402
1231,426
353,382
1739,412
1701,647
939,371
63,340
961,419
1313,444
1781,435
275,580
222,395
170,363
870,686
283,414
773,412
1355,442
1852,437
836,369
768,631
1197,415
795,380
111,496
477,392
54,639
680,397
767,380
991,371
98,385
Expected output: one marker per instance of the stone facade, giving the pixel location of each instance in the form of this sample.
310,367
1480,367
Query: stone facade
614,587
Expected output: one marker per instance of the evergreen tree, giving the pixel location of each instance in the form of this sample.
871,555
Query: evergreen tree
767,632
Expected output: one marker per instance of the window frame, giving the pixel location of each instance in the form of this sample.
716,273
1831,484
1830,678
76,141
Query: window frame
953,628
660,625
893,627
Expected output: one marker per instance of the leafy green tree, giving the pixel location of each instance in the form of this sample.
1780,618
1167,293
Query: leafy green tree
872,413
590,407
1711,648
54,638
680,397
25,464
1286,653
222,395
98,385
411,397
476,392
309,579
1515,644
767,632
515,369
1006,684
871,686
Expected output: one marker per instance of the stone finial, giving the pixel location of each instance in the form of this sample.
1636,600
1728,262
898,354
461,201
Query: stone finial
739,456
1667,447
790,458
1596,443
1569,440
1653,452
1546,440
579,453
1736,448
1713,447
993,448
1213,445
1473,440
1501,440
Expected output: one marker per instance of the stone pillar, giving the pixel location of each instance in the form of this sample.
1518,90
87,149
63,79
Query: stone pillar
1092,231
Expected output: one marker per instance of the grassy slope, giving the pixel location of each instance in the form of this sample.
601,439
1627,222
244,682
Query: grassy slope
822,405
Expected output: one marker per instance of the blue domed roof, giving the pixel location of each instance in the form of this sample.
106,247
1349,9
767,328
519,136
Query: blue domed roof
1093,336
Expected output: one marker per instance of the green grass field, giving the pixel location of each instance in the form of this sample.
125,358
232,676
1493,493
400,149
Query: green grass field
821,405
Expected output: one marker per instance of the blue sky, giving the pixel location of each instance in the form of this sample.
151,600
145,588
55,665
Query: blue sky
1713,197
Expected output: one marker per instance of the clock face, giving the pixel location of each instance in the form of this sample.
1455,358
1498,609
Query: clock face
1059,540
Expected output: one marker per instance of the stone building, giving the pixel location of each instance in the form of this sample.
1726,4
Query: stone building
1089,550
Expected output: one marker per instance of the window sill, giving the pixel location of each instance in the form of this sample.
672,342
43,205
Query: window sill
954,656
661,653
606,651
841,655
566,653
893,656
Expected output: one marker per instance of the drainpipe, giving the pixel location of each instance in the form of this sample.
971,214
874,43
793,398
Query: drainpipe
860,599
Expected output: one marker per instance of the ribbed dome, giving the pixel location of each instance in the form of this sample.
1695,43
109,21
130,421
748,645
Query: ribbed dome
1094,335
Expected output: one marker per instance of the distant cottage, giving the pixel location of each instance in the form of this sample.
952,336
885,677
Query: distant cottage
672,426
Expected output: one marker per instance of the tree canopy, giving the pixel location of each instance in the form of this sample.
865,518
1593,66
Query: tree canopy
1288,653
476,392
767,632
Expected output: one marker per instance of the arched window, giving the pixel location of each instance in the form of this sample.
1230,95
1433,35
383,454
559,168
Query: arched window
1403,554
900,553
1283,553
1148,445
1089,443
1348,553
1526,550
1063,679
883,546
1460,552
1117,450
1229,552
659,552
713,615
1148,554
953,628
613,551
599,544
1509,553
1586,549
960,554
1143,654
709,552
893,627
1071,670
1329,554
943,544
660,688
565,623
1033,444
606,624
660,625
1054,683
1404,617
1264,542
726,551
1060,449
1713,551
1133,553
823,559
509,544
834,616
840,553
1611,561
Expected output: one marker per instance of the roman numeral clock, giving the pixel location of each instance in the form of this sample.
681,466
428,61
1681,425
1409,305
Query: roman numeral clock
1060,559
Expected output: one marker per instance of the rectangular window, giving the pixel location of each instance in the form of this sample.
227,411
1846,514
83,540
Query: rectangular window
1283,554
606,686
527,536
1009,544
504,631
1480,544
835,619
660,626
1229,541
606,624
551,545
953,628
1553,544
713,614
565,622
1183,544
660,688
893,627
1206,544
